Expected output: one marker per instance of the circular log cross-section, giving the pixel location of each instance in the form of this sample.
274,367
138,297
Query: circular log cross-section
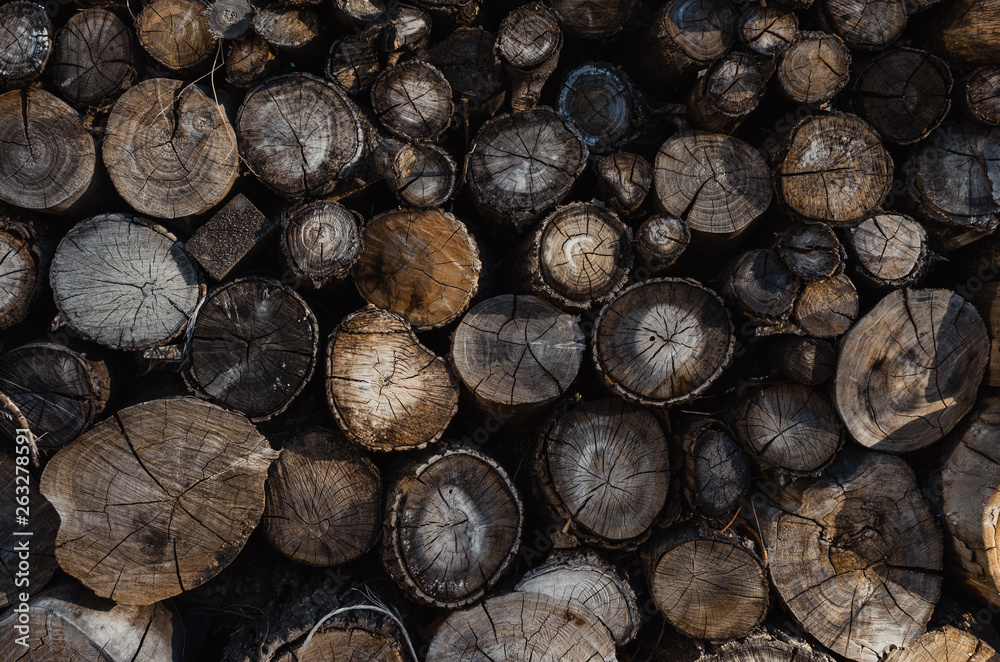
578,257
176,33
253,347
158,499
767,30
661,241
716,184
522,627
59,391
413,101
170,149
604,468
623,180
835,169
529,41
467,59
729,91
423,175
601,101
813,68
980,96
866,24
299,134
230,19
513,351
904,94
584,581
709,585
762,286
124,283
687,35
827,308
249,60
945,645
811,250
809,361
94,57
591,18
522,164
322,503
716,469
22,272
890,250
42,525
790,427
855,556
909,370
452,526
47,158
663,341
386,390
421,264
321,241
25,42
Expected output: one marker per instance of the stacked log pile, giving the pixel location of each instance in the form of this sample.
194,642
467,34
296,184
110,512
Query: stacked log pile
466,330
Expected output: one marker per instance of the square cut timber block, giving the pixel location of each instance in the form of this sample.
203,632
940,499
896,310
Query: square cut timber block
228,237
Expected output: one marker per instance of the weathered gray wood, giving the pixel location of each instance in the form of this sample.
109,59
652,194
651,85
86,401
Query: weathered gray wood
603,103
716,470
25,43
176,34
321,241
529,41
94,57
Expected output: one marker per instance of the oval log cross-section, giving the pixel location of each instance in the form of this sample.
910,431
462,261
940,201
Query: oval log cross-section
157,499
321,241
93,57
910,369
452,526
716,468
945,645
663,341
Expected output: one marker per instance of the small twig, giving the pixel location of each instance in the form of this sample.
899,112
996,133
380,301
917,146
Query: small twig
22,424
732,520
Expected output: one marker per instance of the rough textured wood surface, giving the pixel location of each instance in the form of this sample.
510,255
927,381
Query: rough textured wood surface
716,470
855,556
684,36
353,62
422,264
909,369
467,59
663,341
660,241
768,645
25,254
321,241
767,30
761,285
603,103
980,95
423,175
529,41
322,504
413,101
729,91
25,42
175,33
252,347
230,19
93,57
157,499
604,469
515,351
124,282
866,24
890,250
827,308
452,526
814,67
624,179
294,31
592,18
967,32
386,390
809,361
945,645
249,60
811,250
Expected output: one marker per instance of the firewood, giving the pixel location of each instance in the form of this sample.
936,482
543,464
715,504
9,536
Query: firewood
584,581
890,250
716,470
249,60
320,241
300,134
592,18
94,57
39,531
661,240
623,180
684,36
945,645
157,499
124,282
689,187
789,427
761,285
904,93
579,256
708,584
603,103
523,164
26,249
517,352
813,68
407,31
360,635
980,96
175,33
423,175
294,31
353,62
604,470
835,169
48,158
322,506
522,626
170,149
970,490
855,556
253,346
529,41
866,24
827,308
468,60
386,390
729,91
413,101
663,342
229,237
767,30
909,369
230,19
811,250
422,264
966,33
25,41
60,391
452,526
769,645
809,361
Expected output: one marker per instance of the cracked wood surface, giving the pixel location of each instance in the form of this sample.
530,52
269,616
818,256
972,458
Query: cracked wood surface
809,361
157,499
769,645
855,556
762,286
729,91
604,470
413,101
514,350
175,33
421,264
660,241
814,67
623,180
529,41
25,43
716,469
295,31
946,645
685,36
93,57
827,308
767,30
22,272
423,175
592,18
452,526
865,24
386,390
663,341
170,149
253,346
980,95
811,250
321,241
249,61
603,103
890,249
909,370
124,282
322,503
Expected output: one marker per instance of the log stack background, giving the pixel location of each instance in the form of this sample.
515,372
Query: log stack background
486,330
